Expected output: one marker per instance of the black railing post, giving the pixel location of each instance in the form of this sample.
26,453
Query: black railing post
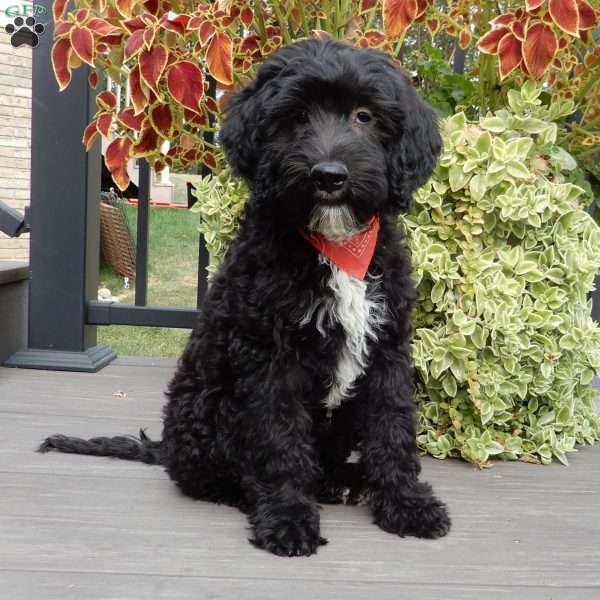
458,64
143,222
65,190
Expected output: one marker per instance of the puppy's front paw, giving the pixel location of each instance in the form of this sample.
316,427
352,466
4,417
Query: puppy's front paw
412,512
287,529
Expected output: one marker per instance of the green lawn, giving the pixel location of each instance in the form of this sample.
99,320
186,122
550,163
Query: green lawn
172,278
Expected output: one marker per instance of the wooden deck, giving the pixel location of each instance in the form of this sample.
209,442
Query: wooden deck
86,528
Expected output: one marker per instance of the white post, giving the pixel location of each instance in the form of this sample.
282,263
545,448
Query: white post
164,176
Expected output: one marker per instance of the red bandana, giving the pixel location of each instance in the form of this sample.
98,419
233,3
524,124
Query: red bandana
352,255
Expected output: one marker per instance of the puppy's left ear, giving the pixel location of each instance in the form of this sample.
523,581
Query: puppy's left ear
414,154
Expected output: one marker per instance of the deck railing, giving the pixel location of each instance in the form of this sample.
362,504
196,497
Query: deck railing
64,218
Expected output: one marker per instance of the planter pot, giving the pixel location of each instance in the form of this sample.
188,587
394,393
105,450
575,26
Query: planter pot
14,286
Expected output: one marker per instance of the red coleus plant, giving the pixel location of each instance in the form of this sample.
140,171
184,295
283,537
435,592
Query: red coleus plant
162,52
530,37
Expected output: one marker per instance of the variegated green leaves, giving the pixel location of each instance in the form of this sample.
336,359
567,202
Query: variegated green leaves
504,257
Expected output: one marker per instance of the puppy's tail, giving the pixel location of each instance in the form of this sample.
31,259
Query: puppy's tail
126,447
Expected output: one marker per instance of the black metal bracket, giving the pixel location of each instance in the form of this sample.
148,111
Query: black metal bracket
113,313
12,222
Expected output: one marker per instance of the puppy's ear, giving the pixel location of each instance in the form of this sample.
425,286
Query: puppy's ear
415,152
239,133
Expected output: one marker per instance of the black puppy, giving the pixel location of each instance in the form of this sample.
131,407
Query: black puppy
296,359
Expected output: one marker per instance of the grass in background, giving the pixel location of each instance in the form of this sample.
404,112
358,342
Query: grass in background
172,279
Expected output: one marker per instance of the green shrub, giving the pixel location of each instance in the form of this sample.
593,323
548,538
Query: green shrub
504,255
220,204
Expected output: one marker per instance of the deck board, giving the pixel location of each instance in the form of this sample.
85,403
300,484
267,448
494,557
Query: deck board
82,528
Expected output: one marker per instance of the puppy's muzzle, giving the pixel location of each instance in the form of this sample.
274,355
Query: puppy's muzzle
329,177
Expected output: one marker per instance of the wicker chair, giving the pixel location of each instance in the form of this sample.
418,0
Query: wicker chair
116,243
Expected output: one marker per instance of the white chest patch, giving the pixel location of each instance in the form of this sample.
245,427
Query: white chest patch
359,307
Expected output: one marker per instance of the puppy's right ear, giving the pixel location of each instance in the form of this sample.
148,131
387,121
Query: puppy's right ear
239,134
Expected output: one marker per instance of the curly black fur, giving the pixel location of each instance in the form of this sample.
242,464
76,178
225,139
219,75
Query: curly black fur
245,422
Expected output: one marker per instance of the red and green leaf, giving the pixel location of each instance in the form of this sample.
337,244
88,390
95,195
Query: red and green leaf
372,39
247,16
93,78
153,6
464,39
149,36
63,28
106,100
250,45
503,20
89,135
211,104
198,119
147,143
177,25
58,9
509,54
538,49
533,4
488,43
161,119
130,120
587,15
134,44
565,15
115,158
367,4
186,84
219,58
421,8
101,27
152,64
206,32
398,15
82,41
518,29
61,53
81,16
433,25
125,7
134,24
139,97
103,123
208,158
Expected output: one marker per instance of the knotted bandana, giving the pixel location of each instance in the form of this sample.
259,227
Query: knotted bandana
354,254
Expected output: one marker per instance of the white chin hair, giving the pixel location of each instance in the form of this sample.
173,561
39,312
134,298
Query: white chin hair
335,223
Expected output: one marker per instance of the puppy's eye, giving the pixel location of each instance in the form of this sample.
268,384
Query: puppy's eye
302,117
363,116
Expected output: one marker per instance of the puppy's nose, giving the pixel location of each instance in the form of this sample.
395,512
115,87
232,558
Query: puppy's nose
329,176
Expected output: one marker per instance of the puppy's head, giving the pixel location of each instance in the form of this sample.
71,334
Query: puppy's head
328,135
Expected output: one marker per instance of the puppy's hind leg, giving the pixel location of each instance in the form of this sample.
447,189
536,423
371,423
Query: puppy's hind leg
193,452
